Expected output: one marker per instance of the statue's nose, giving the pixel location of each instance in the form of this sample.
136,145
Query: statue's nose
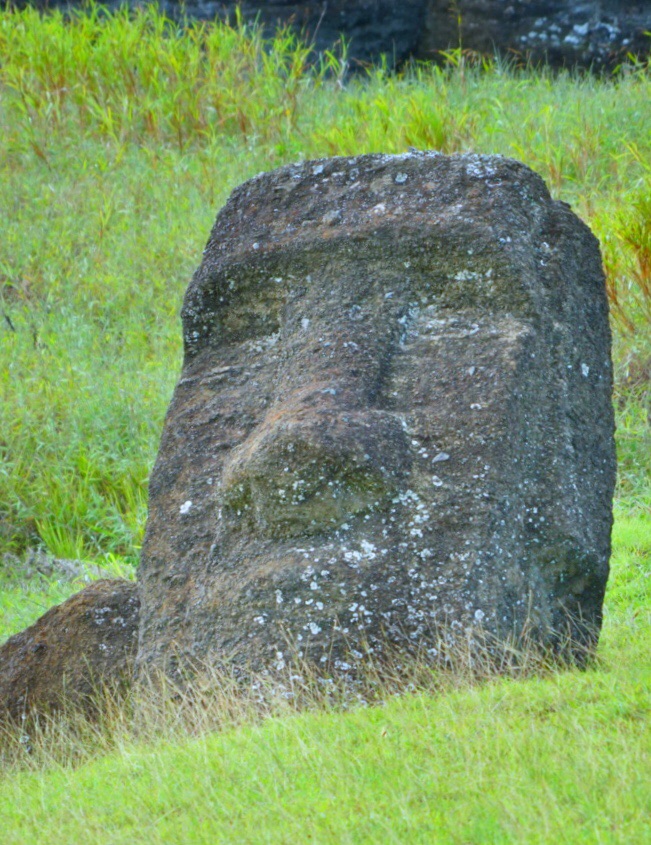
308,470
322,454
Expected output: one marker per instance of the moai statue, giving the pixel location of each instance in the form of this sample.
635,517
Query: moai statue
393,424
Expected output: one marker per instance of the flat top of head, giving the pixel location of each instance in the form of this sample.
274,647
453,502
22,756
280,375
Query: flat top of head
326,198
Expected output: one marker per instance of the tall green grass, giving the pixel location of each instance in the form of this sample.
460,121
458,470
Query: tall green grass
122,134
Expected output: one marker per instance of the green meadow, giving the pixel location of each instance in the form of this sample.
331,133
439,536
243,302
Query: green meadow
120,137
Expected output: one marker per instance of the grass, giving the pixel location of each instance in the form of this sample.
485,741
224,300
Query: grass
559,760
120,137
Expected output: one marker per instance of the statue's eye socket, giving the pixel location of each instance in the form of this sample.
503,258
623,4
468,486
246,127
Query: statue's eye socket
249,310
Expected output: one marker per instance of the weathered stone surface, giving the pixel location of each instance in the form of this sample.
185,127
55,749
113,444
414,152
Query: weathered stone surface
72,650
394,419
592,33
370,28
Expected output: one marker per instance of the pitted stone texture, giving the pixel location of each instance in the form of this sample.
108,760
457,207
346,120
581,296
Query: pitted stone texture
394,419
597,34
71,651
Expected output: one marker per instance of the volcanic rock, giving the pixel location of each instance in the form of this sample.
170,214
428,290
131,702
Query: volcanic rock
393,426
562,33
71,652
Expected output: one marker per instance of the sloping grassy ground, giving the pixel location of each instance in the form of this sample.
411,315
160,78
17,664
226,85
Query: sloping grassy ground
565,758
119,139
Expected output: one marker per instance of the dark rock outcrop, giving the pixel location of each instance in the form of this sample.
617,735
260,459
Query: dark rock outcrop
562,33
371,28
593,33
393,424
79,646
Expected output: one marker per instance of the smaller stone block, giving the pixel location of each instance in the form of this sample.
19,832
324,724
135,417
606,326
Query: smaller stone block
71,651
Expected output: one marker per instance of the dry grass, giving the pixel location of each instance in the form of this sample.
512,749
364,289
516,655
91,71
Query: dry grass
211,699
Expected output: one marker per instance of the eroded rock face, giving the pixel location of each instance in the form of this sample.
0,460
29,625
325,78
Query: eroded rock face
69,653
592,33
558,32
394,419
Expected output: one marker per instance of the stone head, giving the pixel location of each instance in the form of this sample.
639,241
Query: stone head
393,418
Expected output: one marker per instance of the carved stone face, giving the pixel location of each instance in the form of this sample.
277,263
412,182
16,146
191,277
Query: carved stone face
370,438
326,448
